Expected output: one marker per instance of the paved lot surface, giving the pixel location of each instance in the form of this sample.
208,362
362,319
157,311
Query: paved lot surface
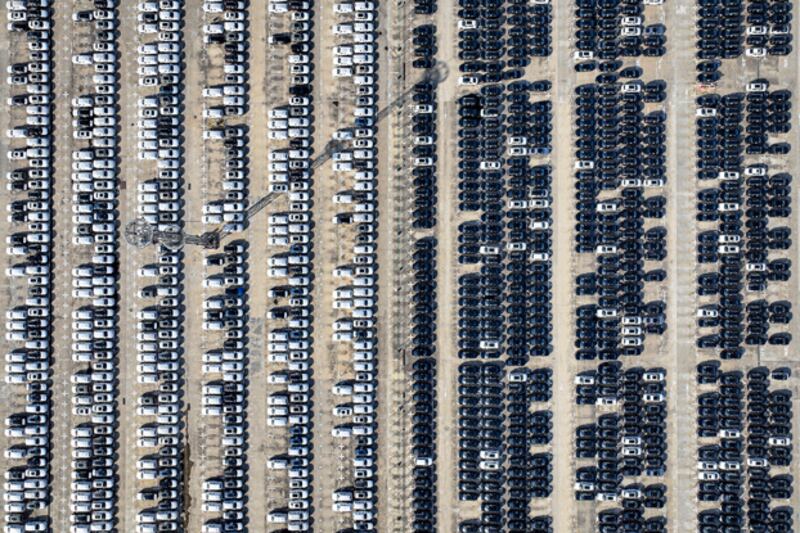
332,361
133,172
63,367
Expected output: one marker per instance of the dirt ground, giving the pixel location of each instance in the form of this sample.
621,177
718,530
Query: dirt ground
332,246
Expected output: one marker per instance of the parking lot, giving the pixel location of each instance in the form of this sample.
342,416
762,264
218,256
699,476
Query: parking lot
486,265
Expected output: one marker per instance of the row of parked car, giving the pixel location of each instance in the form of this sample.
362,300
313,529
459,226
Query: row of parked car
767,112
528,389
425,7
356,59
632,445
424,42
424,297
497,430
423,429
615,519
751,428
604,386
740,250
641,147
620,153
160,363
528,240
355,303
641,395
504,138
227,26
423,444
512,238
27,480
424,156
488,52
93,499
726,29
530,31
619,146
291,231
224,101
225,394
615,28
230,211
529,35
535,524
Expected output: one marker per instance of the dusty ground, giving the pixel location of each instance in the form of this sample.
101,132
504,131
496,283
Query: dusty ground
333,104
